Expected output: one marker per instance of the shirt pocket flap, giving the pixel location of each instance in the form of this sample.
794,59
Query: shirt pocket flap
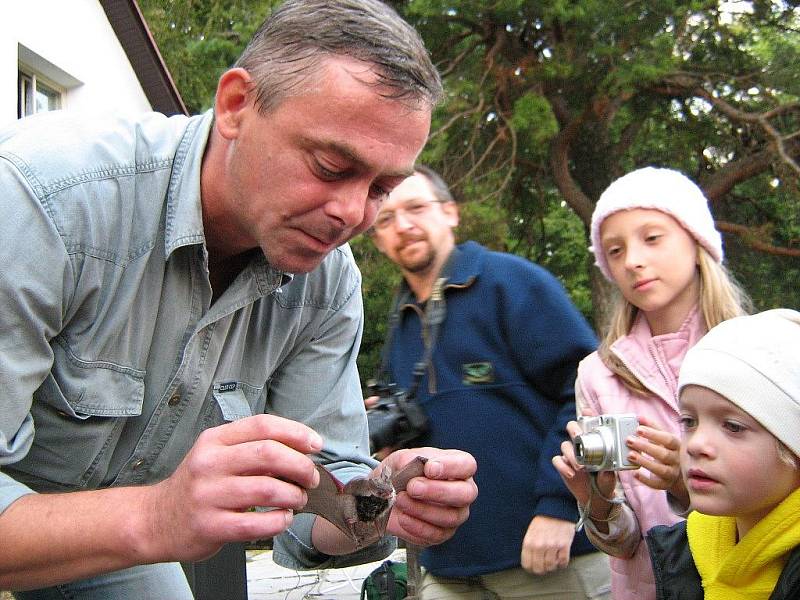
232,401
83,389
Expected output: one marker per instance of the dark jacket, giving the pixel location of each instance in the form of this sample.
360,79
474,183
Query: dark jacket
500,386
677,577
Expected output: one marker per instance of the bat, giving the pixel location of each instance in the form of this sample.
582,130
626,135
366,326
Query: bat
361,507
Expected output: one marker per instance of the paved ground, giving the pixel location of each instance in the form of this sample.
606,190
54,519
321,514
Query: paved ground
268,581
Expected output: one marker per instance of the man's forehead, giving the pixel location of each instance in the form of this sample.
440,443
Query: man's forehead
415,187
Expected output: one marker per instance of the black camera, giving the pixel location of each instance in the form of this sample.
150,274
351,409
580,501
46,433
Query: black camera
396,420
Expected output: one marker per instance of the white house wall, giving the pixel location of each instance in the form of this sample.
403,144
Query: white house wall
75,41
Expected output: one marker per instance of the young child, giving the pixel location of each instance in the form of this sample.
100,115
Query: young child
654,237
740,417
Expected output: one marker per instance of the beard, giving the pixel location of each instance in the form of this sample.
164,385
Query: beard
420,264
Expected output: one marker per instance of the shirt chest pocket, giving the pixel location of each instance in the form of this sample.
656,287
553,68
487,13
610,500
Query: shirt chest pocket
234,400
79,413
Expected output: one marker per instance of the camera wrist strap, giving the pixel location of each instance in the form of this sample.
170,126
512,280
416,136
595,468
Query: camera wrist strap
584,511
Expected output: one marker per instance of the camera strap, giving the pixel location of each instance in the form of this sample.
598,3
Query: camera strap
434,315
583,511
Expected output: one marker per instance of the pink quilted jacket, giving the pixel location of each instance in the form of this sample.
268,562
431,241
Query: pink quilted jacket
655,360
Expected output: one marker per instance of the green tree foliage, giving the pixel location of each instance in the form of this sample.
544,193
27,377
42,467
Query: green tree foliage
380,279
199,39
548,101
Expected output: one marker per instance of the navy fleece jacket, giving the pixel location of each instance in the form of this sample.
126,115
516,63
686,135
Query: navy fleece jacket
500,386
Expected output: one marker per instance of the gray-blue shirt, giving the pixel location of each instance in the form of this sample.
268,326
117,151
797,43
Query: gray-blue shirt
112,358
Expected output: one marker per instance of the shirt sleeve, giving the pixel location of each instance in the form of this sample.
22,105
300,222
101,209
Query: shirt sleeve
623,535
35,273
583,401
320,386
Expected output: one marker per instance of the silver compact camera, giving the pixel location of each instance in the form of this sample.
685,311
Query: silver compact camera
601,446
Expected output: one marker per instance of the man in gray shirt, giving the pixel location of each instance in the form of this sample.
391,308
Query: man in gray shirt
181,315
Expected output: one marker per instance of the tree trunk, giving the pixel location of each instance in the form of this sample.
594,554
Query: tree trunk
604,297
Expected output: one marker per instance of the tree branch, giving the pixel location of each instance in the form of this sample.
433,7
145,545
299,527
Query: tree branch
750,237
559,165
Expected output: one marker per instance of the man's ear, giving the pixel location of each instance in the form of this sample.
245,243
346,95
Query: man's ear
450,210
233,100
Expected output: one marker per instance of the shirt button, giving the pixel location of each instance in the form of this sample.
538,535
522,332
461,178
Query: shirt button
138,464
176,398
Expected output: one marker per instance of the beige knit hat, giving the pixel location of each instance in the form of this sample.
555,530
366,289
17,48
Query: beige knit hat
666,190
753,361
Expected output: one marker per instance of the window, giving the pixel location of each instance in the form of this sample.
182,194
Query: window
35,96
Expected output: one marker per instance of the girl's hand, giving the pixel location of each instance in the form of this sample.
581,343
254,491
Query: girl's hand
576,478
658,452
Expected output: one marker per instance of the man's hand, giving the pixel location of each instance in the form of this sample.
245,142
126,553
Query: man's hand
433,506
256,461
547,544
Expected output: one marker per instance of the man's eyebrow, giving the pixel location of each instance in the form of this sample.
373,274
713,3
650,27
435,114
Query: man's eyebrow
352,155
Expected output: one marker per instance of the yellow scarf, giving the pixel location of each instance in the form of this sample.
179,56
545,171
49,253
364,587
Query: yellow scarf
747,570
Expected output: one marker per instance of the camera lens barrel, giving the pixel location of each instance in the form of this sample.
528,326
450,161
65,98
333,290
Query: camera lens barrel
591,449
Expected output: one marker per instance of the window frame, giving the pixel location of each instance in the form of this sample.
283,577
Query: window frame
29,83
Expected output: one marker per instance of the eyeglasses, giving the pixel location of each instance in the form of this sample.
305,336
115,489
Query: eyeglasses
412,209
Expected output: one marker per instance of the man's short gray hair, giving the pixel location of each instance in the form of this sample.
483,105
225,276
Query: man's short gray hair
286,51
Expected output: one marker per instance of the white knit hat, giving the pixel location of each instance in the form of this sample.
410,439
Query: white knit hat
666,190
753,361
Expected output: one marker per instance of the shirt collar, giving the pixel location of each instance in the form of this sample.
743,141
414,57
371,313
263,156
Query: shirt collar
461,269
184,220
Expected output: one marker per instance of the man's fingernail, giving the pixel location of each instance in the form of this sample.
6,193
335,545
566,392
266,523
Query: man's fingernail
434,469
315,441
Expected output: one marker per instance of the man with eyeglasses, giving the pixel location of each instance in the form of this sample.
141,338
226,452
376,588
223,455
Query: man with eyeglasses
499,385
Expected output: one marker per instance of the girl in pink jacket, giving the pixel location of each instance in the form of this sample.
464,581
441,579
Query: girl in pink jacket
654,237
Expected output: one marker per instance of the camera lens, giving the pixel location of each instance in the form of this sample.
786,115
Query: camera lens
590,449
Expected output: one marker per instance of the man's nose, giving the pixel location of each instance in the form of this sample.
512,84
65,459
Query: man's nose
348,206
402,222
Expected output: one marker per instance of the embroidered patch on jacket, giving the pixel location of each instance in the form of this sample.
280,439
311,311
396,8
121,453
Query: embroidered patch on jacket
477,372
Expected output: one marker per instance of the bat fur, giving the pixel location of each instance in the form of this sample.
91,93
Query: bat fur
360,508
